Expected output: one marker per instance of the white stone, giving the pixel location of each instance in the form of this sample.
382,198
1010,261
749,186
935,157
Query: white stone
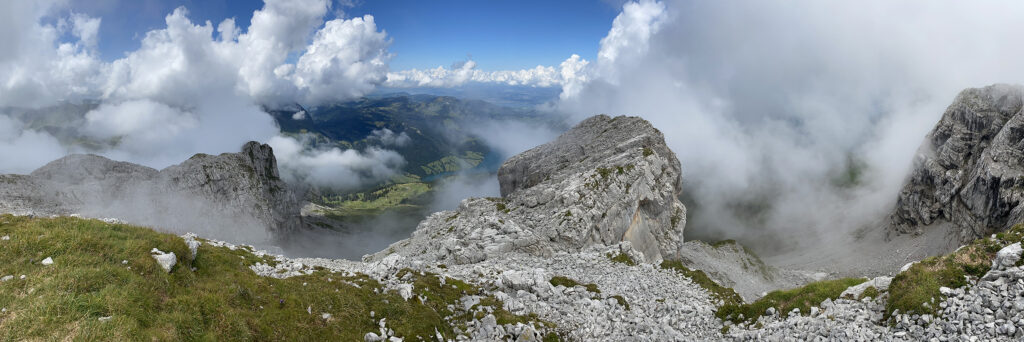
192,243
879,283
371,337
166,260
1007,257
48,261
405,290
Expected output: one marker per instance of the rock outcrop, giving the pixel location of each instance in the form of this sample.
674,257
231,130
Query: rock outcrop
970,169
232,195
606,181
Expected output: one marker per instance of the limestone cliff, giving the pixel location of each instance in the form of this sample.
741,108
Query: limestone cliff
970,169
605,181
232,195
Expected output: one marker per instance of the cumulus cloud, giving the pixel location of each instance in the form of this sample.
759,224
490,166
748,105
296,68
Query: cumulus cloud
334,168
461,73
769,107
386,137
347,58
190,87
86,29
36,69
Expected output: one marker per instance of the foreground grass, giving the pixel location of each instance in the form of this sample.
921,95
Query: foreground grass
784,301
222,299
916,290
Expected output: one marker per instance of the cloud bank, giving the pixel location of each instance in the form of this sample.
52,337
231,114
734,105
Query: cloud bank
465,72
796,120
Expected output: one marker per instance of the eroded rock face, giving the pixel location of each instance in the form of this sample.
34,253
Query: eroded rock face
230,195
606,181
970,169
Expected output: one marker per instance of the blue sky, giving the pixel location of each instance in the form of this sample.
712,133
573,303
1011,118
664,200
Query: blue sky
498,35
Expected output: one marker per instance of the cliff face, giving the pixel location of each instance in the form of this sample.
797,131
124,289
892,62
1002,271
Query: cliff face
970,169
606,181
247,182
237,195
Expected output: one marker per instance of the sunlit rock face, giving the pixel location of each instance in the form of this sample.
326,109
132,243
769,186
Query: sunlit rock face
970,169
606,181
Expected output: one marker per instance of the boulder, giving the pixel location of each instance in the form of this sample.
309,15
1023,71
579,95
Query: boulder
1007,257
165,260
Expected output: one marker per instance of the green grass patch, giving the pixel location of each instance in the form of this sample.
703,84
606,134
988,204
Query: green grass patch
621,258
724,243
453,163
918,285
784,301
221,300
724,294
569,282
870,292
622,301
648,151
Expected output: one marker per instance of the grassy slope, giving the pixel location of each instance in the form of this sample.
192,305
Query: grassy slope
784,301
918,285
221,300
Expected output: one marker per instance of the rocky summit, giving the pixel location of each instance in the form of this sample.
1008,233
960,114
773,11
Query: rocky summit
232,195
970,169
606,181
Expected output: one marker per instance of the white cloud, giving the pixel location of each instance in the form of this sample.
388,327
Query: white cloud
574,75
386,137
190,87
466,72
22,150
764,103
36,70
300,115
86,29
334,168
347,58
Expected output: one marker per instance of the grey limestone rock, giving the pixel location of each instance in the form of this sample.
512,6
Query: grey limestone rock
606,181
229,195
970,169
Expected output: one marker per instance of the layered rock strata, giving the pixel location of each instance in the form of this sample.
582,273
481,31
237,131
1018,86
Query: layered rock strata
605,181
970,169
